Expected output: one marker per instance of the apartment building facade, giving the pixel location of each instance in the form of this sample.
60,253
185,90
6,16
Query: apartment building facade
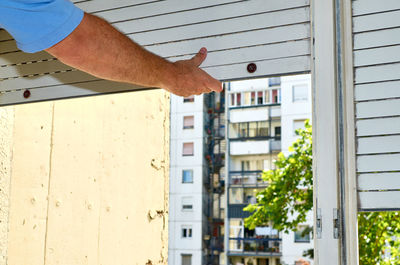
227,140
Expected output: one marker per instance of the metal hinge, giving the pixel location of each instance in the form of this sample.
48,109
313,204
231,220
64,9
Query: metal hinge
319,224
336,223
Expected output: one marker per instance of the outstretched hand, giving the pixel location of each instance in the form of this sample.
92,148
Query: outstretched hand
191,80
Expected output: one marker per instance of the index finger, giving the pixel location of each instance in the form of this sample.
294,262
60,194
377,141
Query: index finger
214,84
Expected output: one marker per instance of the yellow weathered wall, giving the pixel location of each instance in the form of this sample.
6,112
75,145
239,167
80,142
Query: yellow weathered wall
86,181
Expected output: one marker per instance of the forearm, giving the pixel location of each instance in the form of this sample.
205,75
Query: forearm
97,48
111,55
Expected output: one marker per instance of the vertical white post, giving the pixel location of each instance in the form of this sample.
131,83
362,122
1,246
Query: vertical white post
325,148
335,200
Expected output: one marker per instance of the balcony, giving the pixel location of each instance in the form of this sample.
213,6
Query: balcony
249,147
236,211
254,145
266,246
247,178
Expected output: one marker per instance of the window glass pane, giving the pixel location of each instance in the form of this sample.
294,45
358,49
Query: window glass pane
188,99
188,122
250,195
302,235
236,196
277,131
253,129
247,96
274,81
187,176
187,203
233,130
300,93
238,99
274,96
263,128
253,98
233,100
260,98
245,165
186,259
188,149
266,97
243,130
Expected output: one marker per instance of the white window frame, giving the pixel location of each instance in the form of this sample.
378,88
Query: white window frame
190,170
304,99
187,201
189,231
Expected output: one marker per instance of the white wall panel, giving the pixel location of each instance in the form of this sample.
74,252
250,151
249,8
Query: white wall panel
376,29
275,36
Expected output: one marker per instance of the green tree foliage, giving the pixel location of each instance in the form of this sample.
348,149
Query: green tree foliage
379,238
289,197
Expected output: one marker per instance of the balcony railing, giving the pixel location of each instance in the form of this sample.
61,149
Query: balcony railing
255,246
251,178
236,211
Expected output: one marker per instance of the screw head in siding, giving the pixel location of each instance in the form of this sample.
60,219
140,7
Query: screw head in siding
251,68
27,93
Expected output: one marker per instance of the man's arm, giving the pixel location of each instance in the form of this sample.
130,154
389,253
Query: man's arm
97,48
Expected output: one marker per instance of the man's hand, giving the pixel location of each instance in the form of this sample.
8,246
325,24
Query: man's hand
191,80
97,48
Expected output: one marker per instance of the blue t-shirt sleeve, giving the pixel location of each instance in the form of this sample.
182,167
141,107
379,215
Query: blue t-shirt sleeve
38,24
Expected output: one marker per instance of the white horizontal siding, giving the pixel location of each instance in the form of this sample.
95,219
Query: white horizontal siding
275,36
363,7
95,87
379,200
376,109
376,21
380,144
378,38
379,90
380,181
380,126
376,28
378,163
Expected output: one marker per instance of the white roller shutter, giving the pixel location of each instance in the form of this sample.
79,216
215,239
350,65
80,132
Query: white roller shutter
275,35
376,43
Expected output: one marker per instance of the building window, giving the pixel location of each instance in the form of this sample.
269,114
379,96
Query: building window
300,93
302,235
187,204
260,97
238,99
188,149
277,131
274,81
188,122
188,99
249,129
186,231
233,103
187,176
186,259
298,124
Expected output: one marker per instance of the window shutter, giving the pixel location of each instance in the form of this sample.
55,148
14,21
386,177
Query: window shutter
274,36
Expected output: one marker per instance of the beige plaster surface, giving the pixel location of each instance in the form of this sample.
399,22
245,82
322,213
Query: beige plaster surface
87,181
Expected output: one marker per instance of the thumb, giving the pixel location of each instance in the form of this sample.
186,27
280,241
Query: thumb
200,57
